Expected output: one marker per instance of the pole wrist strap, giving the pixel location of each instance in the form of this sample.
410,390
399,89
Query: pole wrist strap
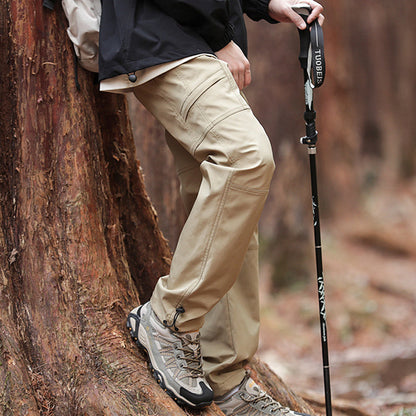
312,57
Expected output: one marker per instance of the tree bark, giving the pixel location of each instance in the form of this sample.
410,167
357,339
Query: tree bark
80,243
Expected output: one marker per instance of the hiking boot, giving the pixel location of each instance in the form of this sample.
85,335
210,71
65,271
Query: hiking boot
248,399
175,357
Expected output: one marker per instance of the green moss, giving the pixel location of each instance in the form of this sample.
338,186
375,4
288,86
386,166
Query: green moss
406,412
5,401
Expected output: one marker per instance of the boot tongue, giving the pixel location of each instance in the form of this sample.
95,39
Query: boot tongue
192,353
194,338
252,388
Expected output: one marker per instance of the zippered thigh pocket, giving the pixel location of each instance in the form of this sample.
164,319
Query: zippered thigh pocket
202,88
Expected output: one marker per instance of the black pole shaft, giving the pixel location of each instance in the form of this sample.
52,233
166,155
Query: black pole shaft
310,139
320,278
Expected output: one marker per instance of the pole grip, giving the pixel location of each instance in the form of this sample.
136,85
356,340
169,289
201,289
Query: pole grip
303,10
311,52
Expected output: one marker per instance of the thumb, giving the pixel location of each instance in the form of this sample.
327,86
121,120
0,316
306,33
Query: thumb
296,19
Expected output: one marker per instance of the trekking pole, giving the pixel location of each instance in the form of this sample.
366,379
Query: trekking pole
312,61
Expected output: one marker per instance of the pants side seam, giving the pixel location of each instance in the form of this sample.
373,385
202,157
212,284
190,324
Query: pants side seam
210,240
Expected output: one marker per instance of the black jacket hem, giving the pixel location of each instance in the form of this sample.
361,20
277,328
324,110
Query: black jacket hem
110,71
139,34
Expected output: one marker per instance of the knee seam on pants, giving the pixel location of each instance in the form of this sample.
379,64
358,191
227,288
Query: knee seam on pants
250,190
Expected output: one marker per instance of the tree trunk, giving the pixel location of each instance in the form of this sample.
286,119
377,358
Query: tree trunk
79,237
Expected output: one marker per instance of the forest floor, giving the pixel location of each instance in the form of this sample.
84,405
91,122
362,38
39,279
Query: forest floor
370,283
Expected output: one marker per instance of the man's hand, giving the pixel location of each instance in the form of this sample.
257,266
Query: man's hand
281,10
237,63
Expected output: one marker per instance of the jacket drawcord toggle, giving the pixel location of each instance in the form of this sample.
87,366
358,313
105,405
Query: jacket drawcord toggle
132,77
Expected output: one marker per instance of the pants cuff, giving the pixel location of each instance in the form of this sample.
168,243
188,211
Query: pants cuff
224,384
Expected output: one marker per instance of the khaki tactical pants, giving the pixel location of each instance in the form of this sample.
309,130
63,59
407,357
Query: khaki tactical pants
224,162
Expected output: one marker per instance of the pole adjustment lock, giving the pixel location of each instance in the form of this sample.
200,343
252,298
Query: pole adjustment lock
310,139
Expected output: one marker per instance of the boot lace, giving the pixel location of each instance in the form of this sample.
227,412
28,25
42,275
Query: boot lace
267,403
191,354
